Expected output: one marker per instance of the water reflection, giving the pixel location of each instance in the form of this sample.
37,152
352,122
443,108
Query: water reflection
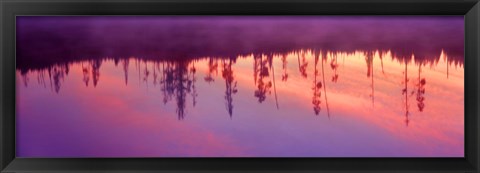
333,86
176,78
230,85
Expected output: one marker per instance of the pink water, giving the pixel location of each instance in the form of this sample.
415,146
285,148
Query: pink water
303,102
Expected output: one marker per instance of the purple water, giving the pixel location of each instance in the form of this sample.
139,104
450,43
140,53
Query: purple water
240,86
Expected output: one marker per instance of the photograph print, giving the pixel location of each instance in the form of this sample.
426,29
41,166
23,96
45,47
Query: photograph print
239,86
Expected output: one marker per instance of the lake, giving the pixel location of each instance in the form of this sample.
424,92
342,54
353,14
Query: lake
225,86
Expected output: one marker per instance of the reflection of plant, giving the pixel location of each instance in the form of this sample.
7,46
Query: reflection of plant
406,94
40,78
57,76
212,67
25,79
125,64
381,61
177,79
155,67
260,69
324,59
334,66
86,74
302,66
317,92
284,67
194,93
146,73
369,60
420,90
96,71
56,73
230,85
177,82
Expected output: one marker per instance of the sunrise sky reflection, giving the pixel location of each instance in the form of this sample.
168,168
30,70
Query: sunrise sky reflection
273,100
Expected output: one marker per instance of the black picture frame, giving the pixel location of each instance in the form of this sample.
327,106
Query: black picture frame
11,8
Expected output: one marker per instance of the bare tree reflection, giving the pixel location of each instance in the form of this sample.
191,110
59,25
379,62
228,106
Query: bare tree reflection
180,81
405,93
125,64
303,65
381,60
193,80
230,84
334,66
41,78
257,58
260,69
212,67
270,63
177,82
284,67
324,58
369,60
146,74
420,90
86,74
25,79
49,69
155,68
58,76
317,86
96,71
165,82
137,66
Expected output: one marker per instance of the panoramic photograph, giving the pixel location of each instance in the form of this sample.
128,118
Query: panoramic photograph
239,86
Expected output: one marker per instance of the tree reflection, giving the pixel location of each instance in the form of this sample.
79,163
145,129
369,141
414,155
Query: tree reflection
40,78
125,64
317,86
57,76
192,82
25,79
212,67
284,67
303,65
57,73
230,85
420,90
155,67
146,73
176,77
406,94
260,73
96,71
334,66
324,59
86,74
270,63
177,82
369,60
381,60
174,86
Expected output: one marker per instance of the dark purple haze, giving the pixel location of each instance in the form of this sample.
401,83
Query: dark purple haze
65,39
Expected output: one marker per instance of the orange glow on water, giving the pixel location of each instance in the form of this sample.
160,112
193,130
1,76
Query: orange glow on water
319,99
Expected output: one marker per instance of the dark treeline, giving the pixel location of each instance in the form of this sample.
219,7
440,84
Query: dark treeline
44,41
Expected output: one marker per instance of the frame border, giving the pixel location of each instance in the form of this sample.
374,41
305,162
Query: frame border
9,9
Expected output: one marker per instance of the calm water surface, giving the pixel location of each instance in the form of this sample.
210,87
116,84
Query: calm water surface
240,87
